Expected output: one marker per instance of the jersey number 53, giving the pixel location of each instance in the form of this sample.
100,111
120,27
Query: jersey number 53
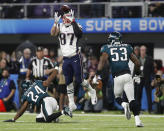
119,54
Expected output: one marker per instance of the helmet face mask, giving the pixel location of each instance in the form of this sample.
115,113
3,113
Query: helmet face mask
66,21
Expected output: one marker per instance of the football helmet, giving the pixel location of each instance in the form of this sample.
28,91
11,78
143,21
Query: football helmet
66,14
25,85
114,37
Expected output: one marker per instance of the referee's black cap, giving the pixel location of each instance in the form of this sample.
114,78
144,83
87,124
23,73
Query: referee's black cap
39,48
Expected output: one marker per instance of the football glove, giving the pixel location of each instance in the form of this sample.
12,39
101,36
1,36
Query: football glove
96,78
10,120
137,79
56,17
71,17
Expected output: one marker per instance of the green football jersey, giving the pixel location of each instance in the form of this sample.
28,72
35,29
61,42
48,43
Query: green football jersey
35,93
119,55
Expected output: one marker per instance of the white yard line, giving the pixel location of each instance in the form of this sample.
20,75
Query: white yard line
44,129
91,114
23,128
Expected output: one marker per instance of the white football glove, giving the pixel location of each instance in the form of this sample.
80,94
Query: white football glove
95,79
56,17
71,16
137,79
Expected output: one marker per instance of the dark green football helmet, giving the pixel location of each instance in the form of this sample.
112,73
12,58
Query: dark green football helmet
25,85
114,37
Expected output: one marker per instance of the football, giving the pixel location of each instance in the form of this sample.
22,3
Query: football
65,8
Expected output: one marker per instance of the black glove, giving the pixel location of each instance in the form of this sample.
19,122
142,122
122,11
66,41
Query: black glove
10,120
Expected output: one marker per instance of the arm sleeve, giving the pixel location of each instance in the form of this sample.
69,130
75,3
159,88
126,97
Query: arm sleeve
77,30
104,49
12,85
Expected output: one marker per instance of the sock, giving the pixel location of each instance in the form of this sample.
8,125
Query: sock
40,119
53,116
119,100
134,107
70,93
137,119
86,84
123,104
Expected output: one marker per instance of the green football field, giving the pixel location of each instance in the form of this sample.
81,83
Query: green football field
83,122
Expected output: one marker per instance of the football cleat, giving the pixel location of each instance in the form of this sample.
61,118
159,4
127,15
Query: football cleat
139,125
10,120
56,120
138,122
127,111
93,96
67,111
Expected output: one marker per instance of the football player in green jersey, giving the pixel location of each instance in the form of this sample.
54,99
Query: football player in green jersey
118,55
36,94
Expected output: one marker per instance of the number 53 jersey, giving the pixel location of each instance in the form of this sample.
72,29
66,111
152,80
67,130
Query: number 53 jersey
119,55
35,93
68,40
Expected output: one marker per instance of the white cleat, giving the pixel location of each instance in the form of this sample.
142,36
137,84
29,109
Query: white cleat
72,106
138,122
127,111
93,96
139,125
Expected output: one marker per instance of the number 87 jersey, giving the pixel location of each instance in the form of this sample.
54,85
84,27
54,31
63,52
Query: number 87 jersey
119,55
68,40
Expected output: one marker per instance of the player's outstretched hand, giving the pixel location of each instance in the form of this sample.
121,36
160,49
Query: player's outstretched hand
71,16
56,17
10,120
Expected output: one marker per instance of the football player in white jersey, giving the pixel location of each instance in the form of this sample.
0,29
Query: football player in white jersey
68,33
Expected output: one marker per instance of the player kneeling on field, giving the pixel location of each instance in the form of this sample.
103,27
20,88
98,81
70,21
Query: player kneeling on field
36,94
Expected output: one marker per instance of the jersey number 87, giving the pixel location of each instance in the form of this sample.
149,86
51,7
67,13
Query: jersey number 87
64,37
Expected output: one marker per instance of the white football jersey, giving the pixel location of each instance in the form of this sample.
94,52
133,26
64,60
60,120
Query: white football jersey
68,40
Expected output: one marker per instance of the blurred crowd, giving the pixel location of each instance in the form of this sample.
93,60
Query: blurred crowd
86,11
151,78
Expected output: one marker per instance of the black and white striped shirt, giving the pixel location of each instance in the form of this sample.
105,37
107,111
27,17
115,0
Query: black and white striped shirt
38,67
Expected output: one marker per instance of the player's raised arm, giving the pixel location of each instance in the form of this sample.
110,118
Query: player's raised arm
77,28
55,29
51,77
103,59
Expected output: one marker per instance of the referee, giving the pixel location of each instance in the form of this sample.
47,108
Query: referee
39,67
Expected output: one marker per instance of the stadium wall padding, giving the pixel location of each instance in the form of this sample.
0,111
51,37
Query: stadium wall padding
96,25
